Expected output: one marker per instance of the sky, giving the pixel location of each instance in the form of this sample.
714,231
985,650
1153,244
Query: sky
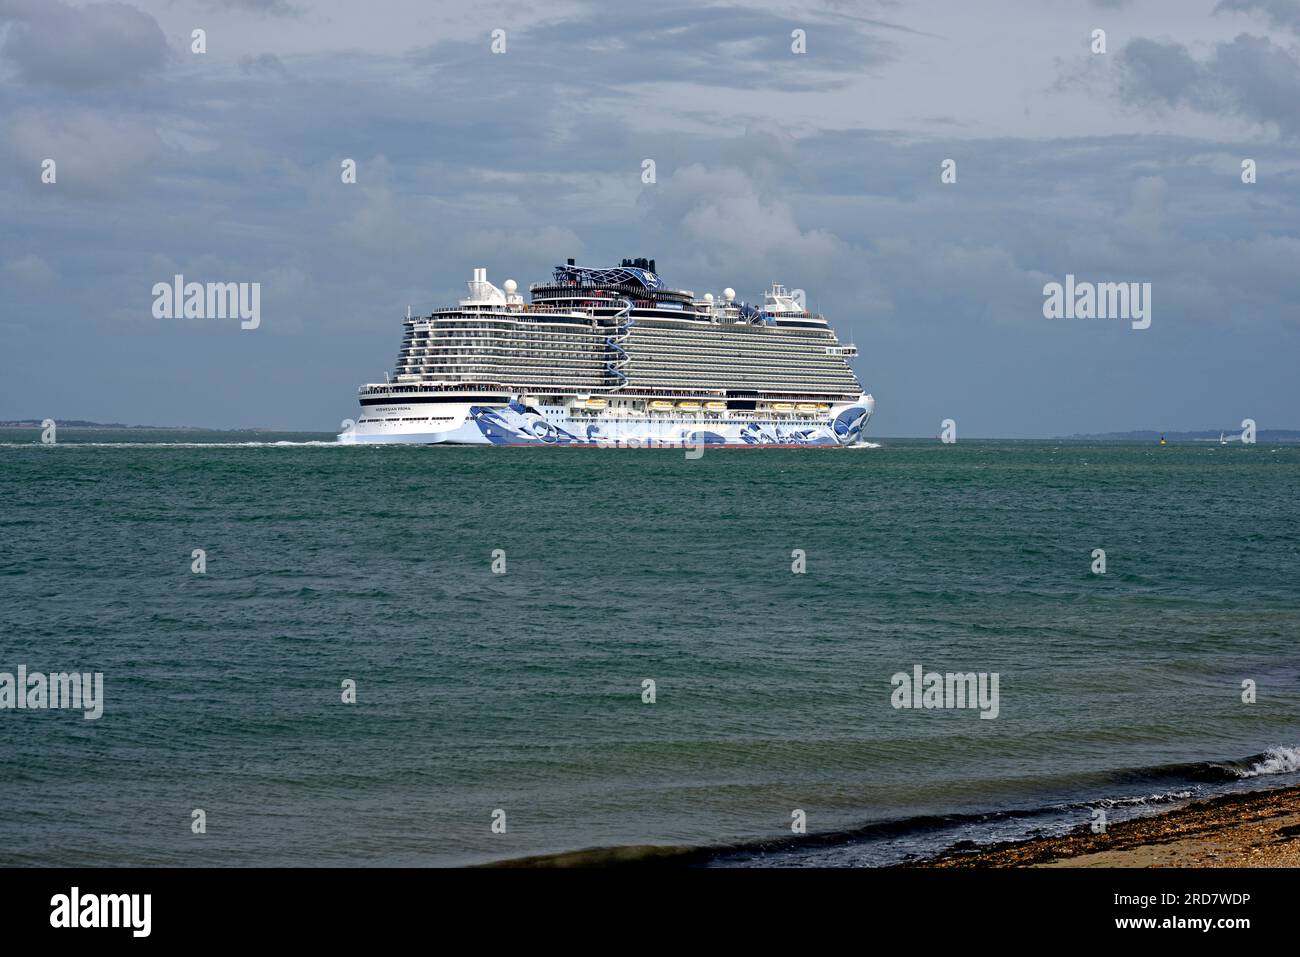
818,169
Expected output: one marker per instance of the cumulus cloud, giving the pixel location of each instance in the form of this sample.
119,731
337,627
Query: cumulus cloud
722,218
1279,13
96,153
771,166
1250,77
962,281
1161,73
718,46
100,44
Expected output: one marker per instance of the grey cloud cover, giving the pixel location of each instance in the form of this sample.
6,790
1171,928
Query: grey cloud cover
819,172
80,47
1279,13
1250,76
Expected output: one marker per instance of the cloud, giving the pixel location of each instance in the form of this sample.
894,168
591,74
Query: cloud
279,8
97,153
1280,13
1249,77
814,170
717,46
51,42
1156,73
518,245
957,283
31,269
1147,213
727,226
264,64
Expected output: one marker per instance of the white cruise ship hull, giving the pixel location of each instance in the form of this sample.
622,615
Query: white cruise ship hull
613,357
518,424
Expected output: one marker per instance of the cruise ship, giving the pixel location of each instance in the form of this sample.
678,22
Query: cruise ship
612,356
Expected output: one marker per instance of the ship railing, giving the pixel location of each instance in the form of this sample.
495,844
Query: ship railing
398,387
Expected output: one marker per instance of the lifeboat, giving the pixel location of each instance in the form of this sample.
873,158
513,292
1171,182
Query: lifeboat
783,407
807,407
595,404
659,405
688,406
716,406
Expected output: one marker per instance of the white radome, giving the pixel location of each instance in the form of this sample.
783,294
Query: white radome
510,287
729,294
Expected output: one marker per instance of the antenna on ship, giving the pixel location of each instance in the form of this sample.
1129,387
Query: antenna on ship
408,310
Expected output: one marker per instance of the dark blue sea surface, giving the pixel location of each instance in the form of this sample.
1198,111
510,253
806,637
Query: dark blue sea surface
523,691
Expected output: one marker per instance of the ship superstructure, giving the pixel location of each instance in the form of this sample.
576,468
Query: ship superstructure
613,356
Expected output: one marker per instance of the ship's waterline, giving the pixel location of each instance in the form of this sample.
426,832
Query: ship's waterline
613,357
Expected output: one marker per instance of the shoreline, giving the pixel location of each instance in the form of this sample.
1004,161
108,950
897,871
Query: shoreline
1256,828
1248,829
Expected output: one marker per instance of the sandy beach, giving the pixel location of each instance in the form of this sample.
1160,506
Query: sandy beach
1259,829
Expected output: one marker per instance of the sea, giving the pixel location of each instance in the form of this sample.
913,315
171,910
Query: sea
322,655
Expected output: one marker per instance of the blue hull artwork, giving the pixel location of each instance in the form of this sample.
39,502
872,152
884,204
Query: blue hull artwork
517,424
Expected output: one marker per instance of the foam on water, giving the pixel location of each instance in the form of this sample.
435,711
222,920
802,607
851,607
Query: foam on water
1275,761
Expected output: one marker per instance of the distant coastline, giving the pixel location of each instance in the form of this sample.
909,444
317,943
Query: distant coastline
118,426
1204,435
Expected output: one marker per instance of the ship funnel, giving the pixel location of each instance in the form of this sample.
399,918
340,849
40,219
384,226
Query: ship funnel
481,291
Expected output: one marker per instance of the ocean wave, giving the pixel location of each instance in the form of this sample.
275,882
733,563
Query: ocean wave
1277,760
